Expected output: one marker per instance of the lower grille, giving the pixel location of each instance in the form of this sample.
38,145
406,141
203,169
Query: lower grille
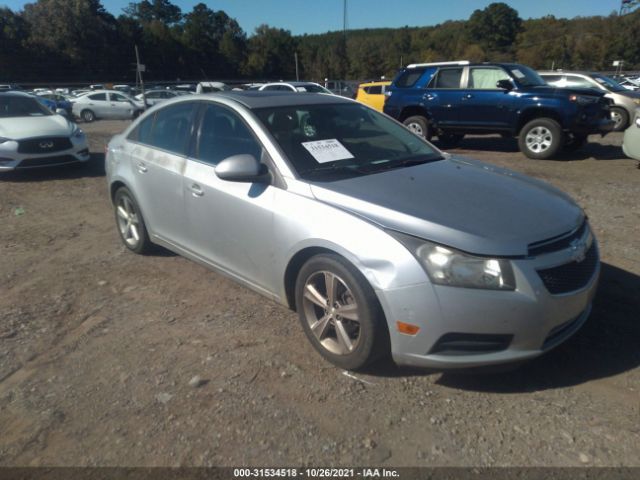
43,162
44,145
470,343
570,276
560,332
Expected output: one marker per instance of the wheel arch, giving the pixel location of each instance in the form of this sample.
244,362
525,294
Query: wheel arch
293,268
535,113
412,110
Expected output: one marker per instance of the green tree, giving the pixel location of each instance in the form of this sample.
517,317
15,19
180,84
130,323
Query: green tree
155,10
271,53
495,28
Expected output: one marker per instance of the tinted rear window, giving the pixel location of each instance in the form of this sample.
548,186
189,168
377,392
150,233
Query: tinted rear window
408,78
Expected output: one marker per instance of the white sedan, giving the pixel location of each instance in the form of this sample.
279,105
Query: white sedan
298,87
32,136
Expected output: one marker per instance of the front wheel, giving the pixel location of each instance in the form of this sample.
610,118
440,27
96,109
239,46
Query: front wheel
541,138
621,119
340,313
418,125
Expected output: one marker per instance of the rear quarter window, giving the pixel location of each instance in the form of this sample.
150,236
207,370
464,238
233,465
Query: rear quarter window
408,78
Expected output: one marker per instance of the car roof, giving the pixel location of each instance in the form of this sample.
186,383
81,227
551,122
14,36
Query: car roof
15,93
375,84
262,99
571,72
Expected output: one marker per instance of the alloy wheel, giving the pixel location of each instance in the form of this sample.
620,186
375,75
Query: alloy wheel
332,312
539,139
128,221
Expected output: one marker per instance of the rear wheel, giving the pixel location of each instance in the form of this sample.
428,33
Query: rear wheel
541,138
621,119
340,313
88,116
418,125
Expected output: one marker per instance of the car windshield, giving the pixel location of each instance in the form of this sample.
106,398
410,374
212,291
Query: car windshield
11,106
608,83
333,141
526,76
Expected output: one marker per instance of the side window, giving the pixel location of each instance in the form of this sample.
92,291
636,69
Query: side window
447,78
142,133
223,134
375,90
408,78
116,97
172,128
101,97
552,79
579,82
485,78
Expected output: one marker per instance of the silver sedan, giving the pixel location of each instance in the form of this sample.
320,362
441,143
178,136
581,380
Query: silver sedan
381,243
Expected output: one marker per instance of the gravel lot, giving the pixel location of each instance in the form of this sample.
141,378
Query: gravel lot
98,347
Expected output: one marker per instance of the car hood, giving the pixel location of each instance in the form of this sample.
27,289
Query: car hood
551,90
17,128
468,205
630,93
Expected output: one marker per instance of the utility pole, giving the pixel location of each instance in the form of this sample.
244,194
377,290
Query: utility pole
139,69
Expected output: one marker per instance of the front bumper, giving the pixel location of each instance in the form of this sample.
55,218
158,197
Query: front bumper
466,328
11,159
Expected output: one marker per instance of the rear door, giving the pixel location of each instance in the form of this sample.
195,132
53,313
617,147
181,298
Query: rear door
482,104
121,107
230,223
443,96
97,102
158,153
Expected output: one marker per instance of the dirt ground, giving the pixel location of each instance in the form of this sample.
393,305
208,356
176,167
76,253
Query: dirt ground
98,346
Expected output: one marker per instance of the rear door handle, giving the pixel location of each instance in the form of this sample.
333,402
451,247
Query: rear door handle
428,96
467,96
196,190
142,168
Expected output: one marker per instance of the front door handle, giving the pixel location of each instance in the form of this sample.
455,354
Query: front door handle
142,168
196,190
467,96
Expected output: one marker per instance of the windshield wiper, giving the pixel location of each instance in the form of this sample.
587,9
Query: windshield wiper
336,167
407,162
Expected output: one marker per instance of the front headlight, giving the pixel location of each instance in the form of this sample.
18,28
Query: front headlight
583,99
77,132
447,266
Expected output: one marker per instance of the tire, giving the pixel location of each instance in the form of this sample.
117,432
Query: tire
541,138
88,116
130,223
575,141
450,140
418,125
621,117
350,342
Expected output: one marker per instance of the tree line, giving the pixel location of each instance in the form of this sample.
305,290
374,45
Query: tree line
79,41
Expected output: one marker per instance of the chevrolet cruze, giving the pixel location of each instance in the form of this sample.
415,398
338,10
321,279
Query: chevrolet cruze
33,136
381,243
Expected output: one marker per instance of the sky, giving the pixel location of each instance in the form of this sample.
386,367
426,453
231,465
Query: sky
319,16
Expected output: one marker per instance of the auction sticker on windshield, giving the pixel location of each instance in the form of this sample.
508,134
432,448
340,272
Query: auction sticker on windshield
325,151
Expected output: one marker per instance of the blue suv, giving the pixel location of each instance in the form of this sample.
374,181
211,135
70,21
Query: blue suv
451,99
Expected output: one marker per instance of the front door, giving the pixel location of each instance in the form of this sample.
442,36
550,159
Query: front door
482,104
230,223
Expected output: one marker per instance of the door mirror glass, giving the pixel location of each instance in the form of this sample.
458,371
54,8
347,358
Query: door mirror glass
504,84
242,168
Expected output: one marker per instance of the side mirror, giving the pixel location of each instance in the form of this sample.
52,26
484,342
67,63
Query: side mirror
505,85
242,168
